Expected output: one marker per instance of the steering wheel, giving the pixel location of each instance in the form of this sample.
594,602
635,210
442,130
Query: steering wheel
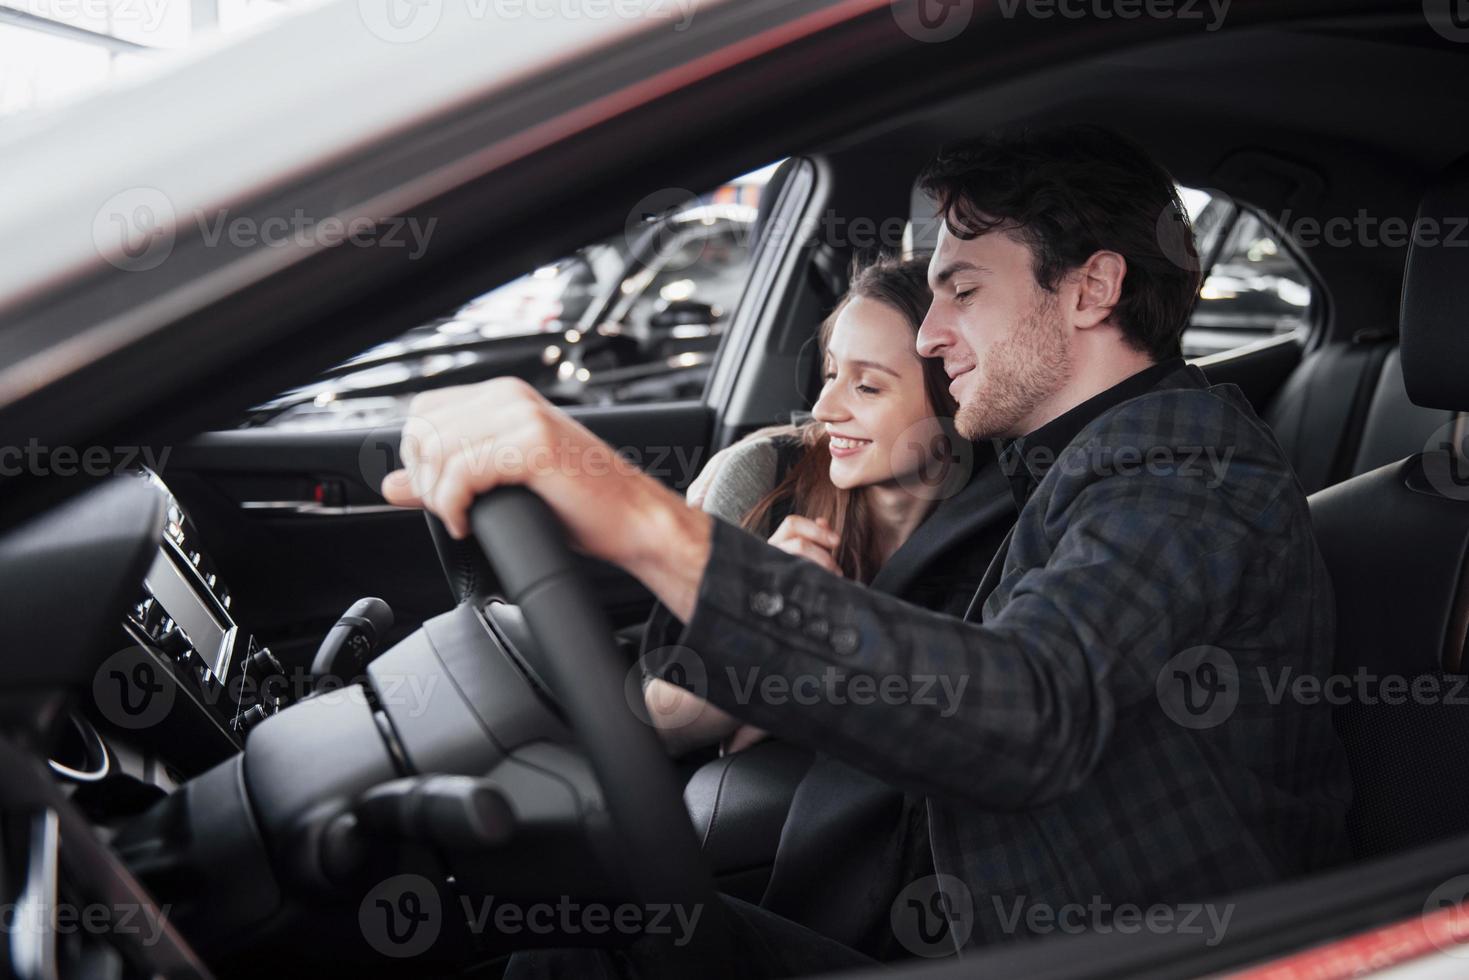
526,547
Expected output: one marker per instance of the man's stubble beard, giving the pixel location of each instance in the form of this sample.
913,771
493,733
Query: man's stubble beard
1017,375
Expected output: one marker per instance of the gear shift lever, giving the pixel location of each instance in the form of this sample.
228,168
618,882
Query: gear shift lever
352,643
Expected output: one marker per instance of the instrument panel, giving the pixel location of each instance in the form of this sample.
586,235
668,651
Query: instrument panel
190,681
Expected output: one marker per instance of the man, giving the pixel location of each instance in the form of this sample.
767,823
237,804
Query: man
1109,735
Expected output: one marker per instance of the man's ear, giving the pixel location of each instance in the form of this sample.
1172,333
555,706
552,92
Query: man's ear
1099,288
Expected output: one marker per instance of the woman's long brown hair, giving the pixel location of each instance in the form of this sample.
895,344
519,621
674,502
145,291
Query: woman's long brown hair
902,285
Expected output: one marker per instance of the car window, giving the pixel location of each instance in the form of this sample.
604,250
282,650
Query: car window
1253,287
636,317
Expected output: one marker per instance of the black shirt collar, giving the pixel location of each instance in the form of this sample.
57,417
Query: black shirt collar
1026,460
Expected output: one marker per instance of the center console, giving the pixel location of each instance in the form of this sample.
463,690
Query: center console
187,673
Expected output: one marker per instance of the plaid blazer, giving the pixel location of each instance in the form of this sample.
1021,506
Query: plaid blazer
1122,728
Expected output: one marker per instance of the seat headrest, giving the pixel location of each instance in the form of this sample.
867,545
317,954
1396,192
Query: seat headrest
1435,311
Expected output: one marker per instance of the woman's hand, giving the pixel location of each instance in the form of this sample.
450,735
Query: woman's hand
686,721
813,540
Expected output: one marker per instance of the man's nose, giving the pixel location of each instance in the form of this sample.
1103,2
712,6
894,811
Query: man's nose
933,335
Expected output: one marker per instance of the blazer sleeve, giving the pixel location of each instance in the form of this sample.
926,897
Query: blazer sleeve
734,481
1010,713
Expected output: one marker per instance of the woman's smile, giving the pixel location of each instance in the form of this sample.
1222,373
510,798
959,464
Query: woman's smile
844,446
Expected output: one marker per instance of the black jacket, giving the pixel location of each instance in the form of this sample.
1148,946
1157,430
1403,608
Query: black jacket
1116,739
851,842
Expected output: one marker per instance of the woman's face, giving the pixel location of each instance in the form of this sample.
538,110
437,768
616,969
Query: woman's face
880,425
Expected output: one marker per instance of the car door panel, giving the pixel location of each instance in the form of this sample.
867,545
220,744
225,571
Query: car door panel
297,528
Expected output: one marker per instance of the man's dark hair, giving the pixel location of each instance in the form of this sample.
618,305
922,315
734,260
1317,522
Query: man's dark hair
1067,193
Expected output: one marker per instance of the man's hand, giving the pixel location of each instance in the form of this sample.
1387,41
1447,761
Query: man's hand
461,442
813,540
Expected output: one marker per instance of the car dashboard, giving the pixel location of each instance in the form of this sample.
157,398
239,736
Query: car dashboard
183,687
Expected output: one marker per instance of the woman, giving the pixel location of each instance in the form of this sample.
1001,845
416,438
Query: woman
847,490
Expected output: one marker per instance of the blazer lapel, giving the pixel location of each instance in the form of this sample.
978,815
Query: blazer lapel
992,576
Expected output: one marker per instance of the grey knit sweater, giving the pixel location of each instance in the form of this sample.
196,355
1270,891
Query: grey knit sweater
741,475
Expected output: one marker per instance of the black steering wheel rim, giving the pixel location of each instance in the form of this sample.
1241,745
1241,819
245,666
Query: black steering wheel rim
526,548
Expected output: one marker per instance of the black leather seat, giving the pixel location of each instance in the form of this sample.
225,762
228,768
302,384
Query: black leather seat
1395,540
738,804
1345,411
